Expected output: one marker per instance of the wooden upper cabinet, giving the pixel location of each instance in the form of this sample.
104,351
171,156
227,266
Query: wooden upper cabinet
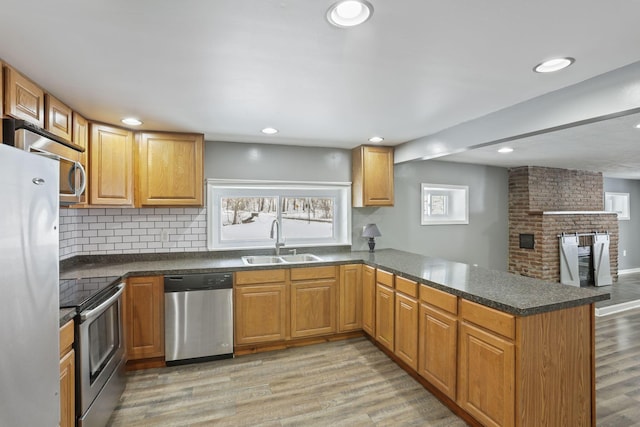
1,89
23,99
170,169
372,176
58,117
111,175
80,136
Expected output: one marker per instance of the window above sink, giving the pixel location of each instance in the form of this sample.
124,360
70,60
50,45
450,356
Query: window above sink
241,215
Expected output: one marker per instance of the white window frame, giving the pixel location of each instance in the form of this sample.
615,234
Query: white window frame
219,188
455,210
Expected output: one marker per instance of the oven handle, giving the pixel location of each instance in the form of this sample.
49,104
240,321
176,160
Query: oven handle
95,312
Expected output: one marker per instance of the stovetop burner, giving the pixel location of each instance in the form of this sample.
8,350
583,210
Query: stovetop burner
78,293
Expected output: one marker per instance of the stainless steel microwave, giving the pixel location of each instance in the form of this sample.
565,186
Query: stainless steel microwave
28,137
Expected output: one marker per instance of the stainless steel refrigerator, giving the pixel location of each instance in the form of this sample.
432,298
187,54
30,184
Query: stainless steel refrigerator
29,309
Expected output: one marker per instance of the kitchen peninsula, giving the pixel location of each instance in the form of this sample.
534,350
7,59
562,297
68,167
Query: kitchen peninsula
497,348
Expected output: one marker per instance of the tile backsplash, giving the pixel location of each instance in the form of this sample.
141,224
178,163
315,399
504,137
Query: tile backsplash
125,230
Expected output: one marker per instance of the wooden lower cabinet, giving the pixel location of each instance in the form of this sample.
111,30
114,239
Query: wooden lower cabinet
369,300
260,313
313,308
486,378
385,319
144,317
350,298
438,349
67,377
406,330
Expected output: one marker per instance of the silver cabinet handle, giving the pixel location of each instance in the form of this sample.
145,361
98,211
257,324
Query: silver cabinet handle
95,312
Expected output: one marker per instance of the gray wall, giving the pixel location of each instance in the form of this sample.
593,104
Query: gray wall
629,230
484,241
232,160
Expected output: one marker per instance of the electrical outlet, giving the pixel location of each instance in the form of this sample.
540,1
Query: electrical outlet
164,236
624,252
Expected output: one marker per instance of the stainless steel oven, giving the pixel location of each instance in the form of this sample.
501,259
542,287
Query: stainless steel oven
101,358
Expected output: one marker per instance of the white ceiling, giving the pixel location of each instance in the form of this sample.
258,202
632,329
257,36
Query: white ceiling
610,146
228,68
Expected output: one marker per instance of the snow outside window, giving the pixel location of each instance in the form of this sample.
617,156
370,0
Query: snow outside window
242,214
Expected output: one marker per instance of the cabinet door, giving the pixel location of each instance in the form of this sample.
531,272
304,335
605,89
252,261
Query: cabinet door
313,308
80,136
372,176
111,154
144,317
406,330
438,346
486,376
170,169
58,117
350,300
67,390
369,300
23,99
260,313
385,307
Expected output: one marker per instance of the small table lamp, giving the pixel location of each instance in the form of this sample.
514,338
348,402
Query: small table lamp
371,231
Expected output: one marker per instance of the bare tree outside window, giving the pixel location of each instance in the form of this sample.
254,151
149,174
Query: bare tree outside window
244,218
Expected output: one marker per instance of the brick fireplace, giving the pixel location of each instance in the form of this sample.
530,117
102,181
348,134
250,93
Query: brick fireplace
545,202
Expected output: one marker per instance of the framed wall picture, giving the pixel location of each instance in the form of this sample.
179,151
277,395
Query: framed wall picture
444,204
618,203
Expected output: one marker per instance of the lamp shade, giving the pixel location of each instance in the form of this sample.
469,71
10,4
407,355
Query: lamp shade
370,230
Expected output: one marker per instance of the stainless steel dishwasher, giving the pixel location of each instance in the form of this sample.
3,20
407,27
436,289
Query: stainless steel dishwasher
198,317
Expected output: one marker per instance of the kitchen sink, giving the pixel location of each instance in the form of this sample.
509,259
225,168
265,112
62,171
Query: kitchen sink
301,258
262,260
282,259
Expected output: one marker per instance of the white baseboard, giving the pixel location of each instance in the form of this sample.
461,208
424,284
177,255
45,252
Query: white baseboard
604,311
629,271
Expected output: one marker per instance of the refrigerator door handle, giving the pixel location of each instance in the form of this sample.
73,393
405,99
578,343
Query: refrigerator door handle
95,312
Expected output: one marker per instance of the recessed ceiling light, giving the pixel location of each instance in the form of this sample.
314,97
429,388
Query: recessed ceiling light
554,64
505,150
131,121
376,139
349,13
638,126
269,131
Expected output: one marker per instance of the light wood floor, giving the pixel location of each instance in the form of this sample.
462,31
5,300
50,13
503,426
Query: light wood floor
346,383
618,369
343,383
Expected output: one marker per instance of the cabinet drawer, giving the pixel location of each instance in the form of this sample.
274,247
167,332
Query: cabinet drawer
440,299
406,286
384,277
313,273
489,318
260,276
66,338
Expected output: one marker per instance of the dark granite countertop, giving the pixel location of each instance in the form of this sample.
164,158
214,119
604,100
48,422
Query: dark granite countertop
66,314
497,289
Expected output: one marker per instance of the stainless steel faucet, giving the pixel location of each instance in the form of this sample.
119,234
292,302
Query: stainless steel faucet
275,224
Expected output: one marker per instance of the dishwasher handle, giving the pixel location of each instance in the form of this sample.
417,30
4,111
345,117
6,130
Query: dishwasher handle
198,282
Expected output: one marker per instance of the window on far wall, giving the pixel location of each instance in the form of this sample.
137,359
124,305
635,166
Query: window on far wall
242,213
444,204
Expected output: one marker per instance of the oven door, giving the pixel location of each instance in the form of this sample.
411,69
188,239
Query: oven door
101,346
